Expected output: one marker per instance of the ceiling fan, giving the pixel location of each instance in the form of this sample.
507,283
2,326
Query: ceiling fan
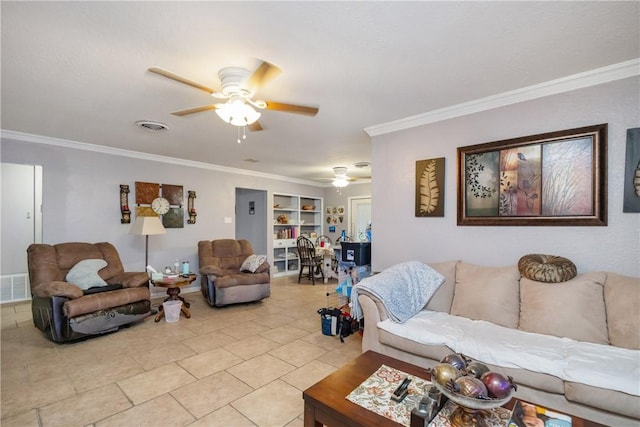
238,88
340,178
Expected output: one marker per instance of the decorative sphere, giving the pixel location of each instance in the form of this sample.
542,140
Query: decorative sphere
444,372
456,360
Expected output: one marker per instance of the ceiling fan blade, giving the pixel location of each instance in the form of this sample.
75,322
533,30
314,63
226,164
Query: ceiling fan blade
255,126
194,110
173,76
290,108
262,75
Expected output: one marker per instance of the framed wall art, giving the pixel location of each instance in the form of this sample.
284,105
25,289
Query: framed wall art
632,172
556,178
430,187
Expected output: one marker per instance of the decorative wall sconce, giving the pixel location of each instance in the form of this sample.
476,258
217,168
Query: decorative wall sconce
191,208
124,205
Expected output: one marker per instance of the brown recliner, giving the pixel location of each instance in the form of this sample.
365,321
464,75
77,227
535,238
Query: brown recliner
65,312
222,282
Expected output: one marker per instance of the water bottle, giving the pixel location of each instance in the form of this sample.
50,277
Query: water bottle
343,236
185,267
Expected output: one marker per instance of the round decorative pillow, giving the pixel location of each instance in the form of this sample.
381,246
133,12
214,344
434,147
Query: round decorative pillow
547,268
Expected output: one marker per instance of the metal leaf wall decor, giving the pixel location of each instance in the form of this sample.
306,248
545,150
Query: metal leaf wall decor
430,187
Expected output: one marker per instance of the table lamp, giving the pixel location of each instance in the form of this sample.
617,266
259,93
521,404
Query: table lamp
144,226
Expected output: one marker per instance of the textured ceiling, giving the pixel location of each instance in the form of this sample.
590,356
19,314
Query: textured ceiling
78,70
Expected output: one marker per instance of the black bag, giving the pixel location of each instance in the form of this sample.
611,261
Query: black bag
348,326
330,321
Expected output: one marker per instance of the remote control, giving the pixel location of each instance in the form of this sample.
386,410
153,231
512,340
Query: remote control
401,392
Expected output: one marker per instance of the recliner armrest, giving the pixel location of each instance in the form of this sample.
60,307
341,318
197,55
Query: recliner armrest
265,266
211,269
131,279
57,289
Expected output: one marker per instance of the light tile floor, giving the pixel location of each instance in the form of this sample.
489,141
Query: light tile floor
243,365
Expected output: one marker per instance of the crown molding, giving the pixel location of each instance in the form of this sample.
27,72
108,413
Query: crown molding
65,143
595,77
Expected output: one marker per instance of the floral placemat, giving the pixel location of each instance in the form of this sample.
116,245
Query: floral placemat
498,417
375,393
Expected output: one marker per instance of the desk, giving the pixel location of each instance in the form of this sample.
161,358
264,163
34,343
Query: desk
173,291
327,253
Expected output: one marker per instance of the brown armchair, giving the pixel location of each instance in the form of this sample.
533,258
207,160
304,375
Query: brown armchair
65,311
222,280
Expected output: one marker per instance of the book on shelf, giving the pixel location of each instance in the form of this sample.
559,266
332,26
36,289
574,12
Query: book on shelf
527,414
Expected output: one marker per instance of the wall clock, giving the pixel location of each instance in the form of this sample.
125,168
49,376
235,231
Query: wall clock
160,205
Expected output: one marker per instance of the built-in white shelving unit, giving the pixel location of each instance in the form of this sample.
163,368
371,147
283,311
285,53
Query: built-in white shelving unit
293,216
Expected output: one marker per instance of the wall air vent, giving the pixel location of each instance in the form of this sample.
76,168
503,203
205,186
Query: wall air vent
152,126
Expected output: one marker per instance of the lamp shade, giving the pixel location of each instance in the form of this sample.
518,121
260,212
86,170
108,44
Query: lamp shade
147,225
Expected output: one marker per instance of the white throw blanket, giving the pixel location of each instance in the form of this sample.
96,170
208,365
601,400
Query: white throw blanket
597,365
404,289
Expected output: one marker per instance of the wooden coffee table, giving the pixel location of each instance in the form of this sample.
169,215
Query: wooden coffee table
325,402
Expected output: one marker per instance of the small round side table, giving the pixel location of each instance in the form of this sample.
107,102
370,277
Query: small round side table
173,286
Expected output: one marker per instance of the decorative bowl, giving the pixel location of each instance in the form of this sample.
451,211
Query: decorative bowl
471,402
470,412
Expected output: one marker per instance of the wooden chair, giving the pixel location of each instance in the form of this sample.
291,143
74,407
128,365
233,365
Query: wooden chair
327,240
308,258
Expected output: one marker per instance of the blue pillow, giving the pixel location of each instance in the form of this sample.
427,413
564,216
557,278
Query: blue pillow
85,273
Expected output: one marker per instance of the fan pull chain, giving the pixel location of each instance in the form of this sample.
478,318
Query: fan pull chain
244,134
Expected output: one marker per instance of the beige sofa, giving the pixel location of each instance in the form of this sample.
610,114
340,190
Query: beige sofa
573,346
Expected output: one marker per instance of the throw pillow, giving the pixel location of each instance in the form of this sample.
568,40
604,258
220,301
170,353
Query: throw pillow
487,293
574,309
441,300
252,263
622,299
85,273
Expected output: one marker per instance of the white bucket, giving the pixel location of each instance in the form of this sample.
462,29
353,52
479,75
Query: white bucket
172,310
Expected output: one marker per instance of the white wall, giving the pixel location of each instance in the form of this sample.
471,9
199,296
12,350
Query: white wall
81,200
615,247
335,198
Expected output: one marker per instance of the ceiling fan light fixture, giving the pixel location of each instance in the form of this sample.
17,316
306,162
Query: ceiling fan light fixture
340,181
238,113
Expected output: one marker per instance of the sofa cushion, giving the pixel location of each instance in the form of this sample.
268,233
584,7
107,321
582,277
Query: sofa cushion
441,300
622,300
487,293
434,352
85,273
573,309
240,279
608,400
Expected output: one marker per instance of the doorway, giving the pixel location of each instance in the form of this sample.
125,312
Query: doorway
359,217
21,226
251,218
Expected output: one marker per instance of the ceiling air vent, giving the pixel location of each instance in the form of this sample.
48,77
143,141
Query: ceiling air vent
152,126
